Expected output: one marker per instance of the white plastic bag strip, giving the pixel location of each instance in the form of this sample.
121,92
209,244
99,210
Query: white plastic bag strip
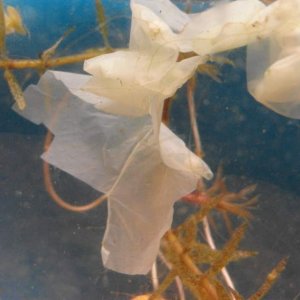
134,81
223,27
167,11
273,63
143,176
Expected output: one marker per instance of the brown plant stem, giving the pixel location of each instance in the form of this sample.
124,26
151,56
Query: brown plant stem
188,263
102,23
52,192
2,31
166,111
178,281
14,88
156,295
47,175
51,62
271,278
191,86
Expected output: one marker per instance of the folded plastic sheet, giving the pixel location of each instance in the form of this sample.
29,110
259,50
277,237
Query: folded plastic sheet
224,27
167,11
271,33
134,80
138,80
147,70
143,176
273,63
149,31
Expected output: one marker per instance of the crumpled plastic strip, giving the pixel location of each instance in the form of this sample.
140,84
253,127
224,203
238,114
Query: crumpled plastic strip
133,81
138,80
273,63
143,176
223,27
271,33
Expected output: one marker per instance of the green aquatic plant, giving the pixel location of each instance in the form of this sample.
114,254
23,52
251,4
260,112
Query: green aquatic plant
11,22
119,109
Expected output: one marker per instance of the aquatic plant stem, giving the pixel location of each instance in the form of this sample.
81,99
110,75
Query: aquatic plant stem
15,88
271,278
50,62
178,281
191,267
102,23
211,243
12,82
156,295
199,285
191,85
2,31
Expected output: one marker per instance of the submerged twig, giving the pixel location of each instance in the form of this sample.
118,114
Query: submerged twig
48,181
48,53
52,62
271,278
15,88
193,277
102,23
227,251
55,197
156,295
2,31
191,85
178,281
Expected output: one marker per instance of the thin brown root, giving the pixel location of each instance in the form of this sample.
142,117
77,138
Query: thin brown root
191,85
53,194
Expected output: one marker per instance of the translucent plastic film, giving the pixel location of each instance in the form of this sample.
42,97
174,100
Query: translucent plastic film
167,11
142,175
139,79
224,27
134,80
273,63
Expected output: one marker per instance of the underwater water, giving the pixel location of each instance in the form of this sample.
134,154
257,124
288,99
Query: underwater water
49,253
